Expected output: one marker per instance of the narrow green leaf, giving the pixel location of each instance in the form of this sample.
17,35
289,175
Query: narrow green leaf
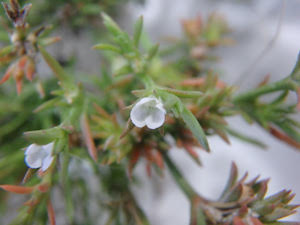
138,28
246,138
54,65
153,51
46,105
46,136
111,25
296,71
107,47
181,93
193,124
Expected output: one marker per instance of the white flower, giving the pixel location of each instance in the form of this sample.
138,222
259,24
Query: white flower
37,156
148,112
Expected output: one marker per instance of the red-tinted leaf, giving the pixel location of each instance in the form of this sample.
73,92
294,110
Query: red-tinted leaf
51,213
22,62
30,69
28,175
87,135
17,189
7,74
18,75
238,221
265,80
135,155
283,137
158,159
31,202
190,149
43,188
256,221
298,96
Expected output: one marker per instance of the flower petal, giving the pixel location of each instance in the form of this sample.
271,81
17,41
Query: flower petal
156,118
138,115
47,162
147,100
34,156
48,148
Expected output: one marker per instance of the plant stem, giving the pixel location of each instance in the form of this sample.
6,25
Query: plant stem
285,84
180,180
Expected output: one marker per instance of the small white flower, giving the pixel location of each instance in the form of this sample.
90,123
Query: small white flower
148,112
37,156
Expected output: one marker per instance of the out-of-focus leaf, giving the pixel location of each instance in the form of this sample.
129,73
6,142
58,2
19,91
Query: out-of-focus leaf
246,138
138,28
46,136
296,71
54,65
107,47
153,51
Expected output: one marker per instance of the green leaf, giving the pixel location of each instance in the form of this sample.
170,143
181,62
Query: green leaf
181,93
46,136
173,103
107,47
153,51
245,138
296,71
111,25
193,124
138,28
47,105
54,65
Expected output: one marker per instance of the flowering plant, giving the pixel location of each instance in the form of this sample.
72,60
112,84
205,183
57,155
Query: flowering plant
84,132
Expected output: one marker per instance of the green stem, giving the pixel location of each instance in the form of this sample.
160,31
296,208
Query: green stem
180,180
285,84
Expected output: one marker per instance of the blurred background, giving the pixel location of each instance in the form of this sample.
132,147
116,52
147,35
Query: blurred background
266,35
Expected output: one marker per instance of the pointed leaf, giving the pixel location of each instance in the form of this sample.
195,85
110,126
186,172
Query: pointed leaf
193,124
296,71
111,25
153,51
87,134
17,189
138,28
51,213
183,94
42,137
54,65
107,47
245,138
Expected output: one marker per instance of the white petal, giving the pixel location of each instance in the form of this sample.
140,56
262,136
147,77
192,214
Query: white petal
138,115
148,100
47,162
34,156
32,148
161,107
48,148
156,118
